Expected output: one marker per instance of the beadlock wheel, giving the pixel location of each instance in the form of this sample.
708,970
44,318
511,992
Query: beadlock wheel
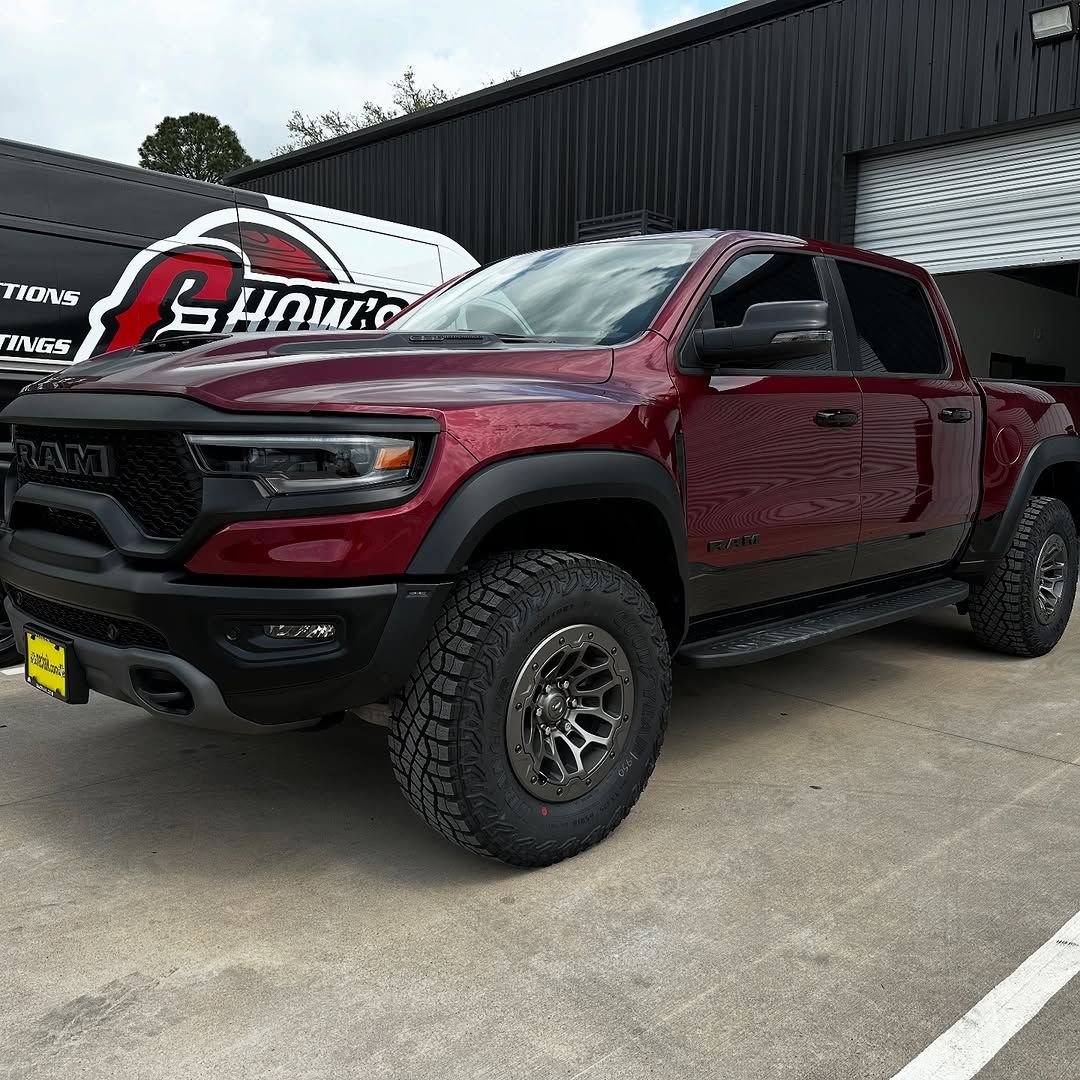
569,711
1050,577
537,708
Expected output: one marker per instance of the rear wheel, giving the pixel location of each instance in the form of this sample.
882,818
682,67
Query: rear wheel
1023,608
537,709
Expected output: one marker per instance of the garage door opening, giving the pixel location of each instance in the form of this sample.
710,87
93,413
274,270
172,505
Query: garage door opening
1018,323
997,221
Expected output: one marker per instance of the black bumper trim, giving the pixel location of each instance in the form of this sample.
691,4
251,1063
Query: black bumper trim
383,628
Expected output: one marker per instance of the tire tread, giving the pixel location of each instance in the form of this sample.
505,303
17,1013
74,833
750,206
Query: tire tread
998,606
434,748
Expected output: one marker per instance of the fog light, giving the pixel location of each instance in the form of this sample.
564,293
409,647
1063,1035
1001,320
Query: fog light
301,631
1051,23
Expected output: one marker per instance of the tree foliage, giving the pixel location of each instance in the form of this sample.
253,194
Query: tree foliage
197,145
407,97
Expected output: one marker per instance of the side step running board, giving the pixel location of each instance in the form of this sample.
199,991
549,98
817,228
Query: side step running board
762,642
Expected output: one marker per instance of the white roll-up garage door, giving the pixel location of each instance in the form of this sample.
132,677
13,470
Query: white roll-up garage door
1006,200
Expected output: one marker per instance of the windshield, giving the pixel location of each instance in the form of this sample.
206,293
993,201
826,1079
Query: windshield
596,294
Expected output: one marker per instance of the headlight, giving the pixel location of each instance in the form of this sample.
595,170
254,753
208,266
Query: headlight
288,464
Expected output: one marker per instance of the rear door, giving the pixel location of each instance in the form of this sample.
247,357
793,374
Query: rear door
772,485
920,421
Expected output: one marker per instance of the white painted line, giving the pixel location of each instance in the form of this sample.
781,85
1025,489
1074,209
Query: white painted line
12,670
975,1038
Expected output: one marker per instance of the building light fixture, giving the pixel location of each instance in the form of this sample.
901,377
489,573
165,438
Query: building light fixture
1052,23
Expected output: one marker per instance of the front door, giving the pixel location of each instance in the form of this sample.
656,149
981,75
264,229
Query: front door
772,456
921,426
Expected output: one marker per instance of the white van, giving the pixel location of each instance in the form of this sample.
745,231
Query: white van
96,256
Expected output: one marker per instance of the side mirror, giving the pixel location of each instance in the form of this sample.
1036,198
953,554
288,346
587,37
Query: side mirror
769,332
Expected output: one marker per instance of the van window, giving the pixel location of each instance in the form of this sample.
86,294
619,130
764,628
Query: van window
375,258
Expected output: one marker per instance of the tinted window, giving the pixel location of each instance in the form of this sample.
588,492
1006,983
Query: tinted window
896,328
764,278
602,293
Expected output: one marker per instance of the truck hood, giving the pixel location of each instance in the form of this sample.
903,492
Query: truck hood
311,371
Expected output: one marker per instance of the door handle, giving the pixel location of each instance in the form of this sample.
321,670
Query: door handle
955,416
836,418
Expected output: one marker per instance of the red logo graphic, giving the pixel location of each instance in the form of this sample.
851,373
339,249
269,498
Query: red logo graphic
270,274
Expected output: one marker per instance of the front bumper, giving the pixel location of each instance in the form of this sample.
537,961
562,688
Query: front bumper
205,635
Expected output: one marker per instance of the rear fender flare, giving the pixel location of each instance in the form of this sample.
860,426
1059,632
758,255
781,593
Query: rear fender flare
992,536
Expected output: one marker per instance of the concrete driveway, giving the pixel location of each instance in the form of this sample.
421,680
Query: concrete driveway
840,853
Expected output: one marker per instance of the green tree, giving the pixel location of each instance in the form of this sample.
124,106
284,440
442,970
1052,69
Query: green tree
407,97
196,145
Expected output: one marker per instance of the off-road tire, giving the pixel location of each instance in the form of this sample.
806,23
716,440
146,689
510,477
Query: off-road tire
448,741
8,653
1003,608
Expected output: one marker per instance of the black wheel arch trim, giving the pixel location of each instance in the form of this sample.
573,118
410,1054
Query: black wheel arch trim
992,536
505,488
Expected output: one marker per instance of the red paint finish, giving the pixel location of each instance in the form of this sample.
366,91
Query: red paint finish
756,463
918,472
1025,415
379,543
249,373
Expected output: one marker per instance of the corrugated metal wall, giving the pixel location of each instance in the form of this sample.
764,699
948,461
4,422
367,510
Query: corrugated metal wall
748,130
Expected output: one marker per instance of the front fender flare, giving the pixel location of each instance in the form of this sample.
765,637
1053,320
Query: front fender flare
505,488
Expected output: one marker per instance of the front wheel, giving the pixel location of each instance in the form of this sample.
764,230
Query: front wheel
1023,608
8,653
537,709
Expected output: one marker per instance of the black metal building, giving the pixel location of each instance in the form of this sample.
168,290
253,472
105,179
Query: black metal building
754,116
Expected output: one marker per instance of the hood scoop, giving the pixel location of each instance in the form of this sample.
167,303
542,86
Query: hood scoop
388,342
177,342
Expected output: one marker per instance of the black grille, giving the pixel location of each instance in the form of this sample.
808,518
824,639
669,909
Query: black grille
65,522
122,633
155,479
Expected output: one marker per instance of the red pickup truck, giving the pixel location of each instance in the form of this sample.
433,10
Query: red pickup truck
495,522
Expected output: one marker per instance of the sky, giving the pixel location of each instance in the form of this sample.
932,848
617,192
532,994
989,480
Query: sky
95,76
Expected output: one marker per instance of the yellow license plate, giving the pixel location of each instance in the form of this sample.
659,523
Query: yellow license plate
47,665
